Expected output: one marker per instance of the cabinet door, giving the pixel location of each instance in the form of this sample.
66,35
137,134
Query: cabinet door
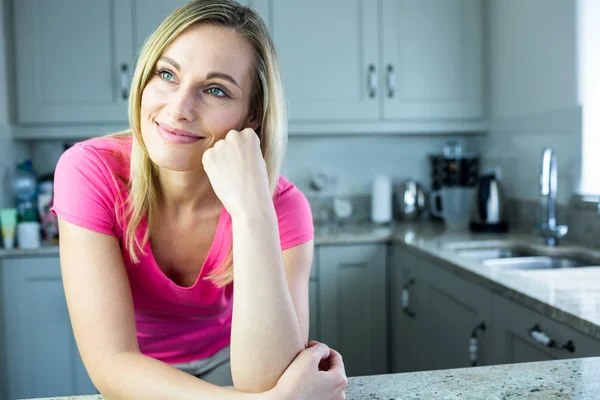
432,59
74,60
453,308
328,52
514,342
148,15
41,356
406,311
352,301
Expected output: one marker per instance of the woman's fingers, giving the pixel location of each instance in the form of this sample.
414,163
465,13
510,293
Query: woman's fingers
336,361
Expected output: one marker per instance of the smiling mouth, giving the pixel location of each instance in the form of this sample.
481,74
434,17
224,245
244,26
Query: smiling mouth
176,136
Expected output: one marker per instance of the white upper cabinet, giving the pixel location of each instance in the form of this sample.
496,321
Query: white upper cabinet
348,66
148,15
329,57
73,60
432,58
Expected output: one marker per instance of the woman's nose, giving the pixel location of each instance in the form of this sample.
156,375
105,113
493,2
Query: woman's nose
182,105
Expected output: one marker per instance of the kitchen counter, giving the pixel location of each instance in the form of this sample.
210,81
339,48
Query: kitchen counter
570,296
576,379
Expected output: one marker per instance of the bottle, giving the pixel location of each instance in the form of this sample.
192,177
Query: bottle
24,185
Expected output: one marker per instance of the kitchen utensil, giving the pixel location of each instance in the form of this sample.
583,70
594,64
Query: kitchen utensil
455,204
411,200
488,212
381,200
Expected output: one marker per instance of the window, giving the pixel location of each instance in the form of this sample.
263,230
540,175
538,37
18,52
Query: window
588,49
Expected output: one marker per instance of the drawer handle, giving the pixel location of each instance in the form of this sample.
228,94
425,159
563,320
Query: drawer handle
406,299
372,82
474,343
542,338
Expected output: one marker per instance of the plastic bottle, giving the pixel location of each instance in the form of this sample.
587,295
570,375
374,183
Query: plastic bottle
25,190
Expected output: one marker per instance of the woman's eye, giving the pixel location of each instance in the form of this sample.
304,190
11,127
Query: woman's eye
215,91
166,75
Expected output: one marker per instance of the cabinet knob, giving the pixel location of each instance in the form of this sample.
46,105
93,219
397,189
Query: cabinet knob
124,81
391,81
542,338
372,81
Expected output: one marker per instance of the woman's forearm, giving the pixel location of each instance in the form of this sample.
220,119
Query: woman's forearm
266,333
135,376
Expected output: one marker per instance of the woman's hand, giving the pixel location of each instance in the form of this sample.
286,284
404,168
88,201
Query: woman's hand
317,373
237,171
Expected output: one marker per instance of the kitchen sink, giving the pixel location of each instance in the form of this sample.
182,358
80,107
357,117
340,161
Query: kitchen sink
540,262
512,255
496,253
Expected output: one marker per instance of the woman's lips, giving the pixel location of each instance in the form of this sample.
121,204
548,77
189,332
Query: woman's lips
176,136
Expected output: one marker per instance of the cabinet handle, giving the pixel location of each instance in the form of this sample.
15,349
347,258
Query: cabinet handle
124,81
539,336
406,299
391,81
372,82
474,343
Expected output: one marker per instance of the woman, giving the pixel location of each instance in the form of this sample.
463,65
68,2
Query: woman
157,222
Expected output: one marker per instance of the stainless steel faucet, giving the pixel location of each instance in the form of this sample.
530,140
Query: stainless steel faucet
547,227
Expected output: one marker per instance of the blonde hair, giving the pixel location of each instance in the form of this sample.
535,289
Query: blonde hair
267,105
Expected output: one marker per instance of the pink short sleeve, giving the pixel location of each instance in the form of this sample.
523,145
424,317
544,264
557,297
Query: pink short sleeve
84,191
294,215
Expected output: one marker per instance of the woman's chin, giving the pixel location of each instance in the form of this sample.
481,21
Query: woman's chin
174,160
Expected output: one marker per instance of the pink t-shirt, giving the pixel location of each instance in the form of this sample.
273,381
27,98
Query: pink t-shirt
174,324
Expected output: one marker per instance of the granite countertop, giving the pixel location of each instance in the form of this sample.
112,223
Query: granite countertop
576,379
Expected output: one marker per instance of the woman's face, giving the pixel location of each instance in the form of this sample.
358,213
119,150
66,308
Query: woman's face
200,90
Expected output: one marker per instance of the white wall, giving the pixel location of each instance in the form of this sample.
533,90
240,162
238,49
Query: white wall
532,90
532,61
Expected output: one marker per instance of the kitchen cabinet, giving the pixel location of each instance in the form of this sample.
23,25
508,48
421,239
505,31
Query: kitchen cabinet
454,310
328,52
522,335
348,66
353,305
406,311
432,59
435,314
429,66
41,357
73,60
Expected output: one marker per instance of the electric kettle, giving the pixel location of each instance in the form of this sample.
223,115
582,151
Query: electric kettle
488,213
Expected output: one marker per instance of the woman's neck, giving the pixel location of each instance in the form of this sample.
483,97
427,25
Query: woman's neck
186,193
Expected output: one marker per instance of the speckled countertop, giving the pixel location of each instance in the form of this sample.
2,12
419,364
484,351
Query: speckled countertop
576,379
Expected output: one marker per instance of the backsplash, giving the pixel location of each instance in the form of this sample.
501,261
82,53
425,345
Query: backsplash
515,144
583,223
353,160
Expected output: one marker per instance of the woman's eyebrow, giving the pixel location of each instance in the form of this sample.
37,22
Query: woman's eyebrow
222,75
172,62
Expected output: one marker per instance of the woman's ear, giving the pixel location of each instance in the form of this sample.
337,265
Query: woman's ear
252,123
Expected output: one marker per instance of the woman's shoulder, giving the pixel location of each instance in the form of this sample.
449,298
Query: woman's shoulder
109,154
